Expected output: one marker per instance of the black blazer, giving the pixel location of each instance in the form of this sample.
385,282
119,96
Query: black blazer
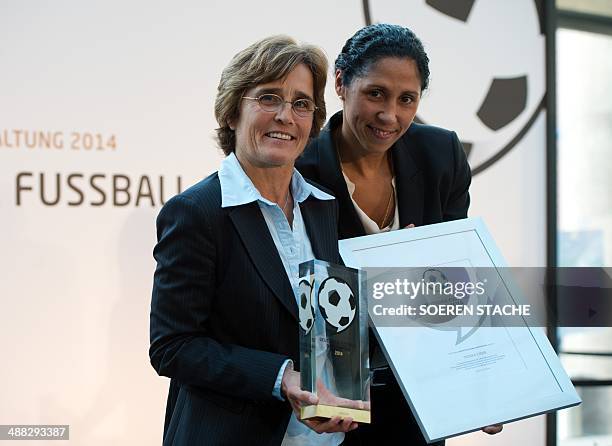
432,176
432,179
224,316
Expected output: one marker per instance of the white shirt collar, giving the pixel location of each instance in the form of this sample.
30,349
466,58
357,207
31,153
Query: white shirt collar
238,189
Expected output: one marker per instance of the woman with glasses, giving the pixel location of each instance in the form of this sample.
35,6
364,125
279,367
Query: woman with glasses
387,173
224,316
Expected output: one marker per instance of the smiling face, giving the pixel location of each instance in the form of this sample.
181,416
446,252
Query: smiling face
274,139
380,105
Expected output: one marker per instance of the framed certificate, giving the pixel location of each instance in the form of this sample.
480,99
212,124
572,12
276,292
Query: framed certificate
461,378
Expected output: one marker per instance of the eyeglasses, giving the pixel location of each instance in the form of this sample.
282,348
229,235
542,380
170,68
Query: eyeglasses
272,103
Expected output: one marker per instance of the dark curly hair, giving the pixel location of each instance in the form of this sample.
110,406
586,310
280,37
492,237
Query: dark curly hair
370,44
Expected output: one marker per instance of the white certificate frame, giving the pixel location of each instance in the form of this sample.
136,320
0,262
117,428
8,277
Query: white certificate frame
447,401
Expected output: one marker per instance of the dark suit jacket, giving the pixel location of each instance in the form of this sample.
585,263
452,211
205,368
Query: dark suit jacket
224,316
432,180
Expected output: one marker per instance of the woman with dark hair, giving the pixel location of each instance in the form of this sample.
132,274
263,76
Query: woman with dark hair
387,173
224,322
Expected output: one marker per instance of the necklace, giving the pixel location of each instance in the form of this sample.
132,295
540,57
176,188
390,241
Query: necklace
388,215
388,208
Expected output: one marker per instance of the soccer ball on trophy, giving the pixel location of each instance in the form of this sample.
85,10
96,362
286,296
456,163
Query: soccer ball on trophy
306,311
337,303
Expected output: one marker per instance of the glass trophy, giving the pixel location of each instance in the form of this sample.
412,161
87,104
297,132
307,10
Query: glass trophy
334,362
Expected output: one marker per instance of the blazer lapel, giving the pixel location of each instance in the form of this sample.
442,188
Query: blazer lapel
409,184
331,176
321,228
260,247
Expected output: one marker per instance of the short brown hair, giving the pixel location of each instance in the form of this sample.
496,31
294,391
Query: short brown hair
265,61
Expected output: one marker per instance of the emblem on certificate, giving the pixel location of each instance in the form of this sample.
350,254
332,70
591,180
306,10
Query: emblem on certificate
334,362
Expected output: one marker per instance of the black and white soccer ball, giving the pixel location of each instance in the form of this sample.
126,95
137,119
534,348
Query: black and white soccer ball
337,303
488,80
305,307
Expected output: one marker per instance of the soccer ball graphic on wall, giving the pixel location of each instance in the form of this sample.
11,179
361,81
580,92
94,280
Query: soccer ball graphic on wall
337,303
487,63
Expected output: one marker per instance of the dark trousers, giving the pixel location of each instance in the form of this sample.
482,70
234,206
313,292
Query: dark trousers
392,419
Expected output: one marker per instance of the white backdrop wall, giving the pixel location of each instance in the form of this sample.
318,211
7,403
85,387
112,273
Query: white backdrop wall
106,109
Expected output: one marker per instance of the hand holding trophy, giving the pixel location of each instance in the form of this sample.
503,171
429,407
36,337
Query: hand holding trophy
334,364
